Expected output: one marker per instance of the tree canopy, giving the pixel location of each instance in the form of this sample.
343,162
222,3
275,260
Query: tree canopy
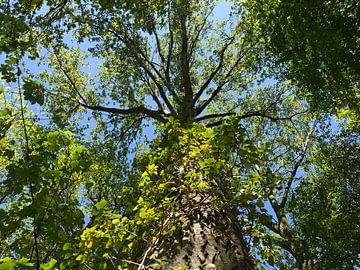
179,134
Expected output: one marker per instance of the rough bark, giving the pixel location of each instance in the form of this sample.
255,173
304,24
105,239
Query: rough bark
208,236
207,239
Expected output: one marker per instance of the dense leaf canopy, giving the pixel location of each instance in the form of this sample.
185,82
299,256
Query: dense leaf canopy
129,130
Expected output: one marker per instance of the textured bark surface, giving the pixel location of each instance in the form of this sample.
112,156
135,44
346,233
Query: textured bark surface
208,239
207,236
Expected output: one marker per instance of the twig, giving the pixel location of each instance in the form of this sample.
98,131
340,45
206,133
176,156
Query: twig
144,258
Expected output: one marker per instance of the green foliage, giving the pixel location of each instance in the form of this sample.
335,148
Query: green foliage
149,200
34,92
326,206
317,43
38,189
259,111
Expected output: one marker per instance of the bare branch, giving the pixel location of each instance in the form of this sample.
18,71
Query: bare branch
157,115
261,113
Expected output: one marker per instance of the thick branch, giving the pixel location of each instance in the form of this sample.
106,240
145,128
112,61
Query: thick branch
184,63
170,49
157,115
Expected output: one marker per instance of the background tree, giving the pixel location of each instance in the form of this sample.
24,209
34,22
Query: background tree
316,44
235,153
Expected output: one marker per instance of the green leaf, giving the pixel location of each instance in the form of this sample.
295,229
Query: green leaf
24,262
5,112
7,264
101,204
79,257
67,246
34,91
48,266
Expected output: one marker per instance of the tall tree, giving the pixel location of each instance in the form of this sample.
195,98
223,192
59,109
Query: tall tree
223,181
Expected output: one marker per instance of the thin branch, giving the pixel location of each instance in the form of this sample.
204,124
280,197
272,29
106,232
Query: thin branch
88,266
215,115
72,83
152,93
159,48
296,167
150,63
31,184
130,44
220,86
166,65
123,132
131,262
201,28
246,115
212,75
161,91
51,14
2,199
141,265
153,114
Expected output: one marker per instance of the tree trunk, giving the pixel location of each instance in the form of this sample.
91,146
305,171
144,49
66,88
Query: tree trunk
208,236
208,239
